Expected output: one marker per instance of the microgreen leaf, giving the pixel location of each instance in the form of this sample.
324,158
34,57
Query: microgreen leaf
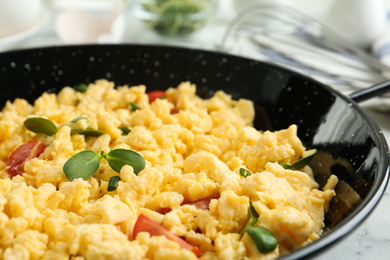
81,87
253,217
113,183
287,166
125,130
93,132
163,97
305,160
265,241
302,162
244,172
82,165
133,107
40,125
103,154
79,118
118,158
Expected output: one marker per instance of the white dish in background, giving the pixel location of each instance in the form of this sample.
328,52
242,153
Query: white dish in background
11,41
18,15
77,25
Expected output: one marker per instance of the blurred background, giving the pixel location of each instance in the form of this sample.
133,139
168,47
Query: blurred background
205,20
31,13
343,43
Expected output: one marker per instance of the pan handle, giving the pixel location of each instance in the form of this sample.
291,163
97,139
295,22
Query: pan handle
370,92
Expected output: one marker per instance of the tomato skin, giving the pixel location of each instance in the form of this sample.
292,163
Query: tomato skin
164,211
155,94
145,224
203,204
22,154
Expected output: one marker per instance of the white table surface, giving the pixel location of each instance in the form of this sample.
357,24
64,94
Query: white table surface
371,240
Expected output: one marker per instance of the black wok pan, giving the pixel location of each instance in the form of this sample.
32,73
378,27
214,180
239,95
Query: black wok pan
350,143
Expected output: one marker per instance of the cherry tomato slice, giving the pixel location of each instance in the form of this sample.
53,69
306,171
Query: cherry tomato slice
203,204
22,154
164,210
145,224
155,94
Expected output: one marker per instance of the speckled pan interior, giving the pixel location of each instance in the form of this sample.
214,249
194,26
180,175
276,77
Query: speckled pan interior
350,144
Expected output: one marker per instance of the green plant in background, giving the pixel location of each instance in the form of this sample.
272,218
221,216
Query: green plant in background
177,17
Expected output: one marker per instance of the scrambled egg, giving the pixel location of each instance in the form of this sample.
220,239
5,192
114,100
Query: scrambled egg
194,149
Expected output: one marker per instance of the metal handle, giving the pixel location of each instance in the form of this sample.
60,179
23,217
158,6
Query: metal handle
373,91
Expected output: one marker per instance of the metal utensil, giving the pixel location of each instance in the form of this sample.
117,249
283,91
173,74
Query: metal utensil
283,35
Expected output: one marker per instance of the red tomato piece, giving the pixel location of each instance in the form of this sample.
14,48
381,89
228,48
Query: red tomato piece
22,154
155,94
164,210
174,111
145,224
203,204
